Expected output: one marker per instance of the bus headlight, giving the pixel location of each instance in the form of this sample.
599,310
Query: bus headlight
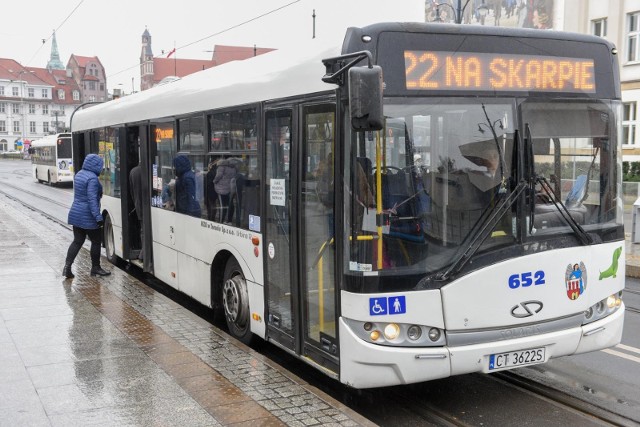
414,332
434,334
391,331
603,308
397,334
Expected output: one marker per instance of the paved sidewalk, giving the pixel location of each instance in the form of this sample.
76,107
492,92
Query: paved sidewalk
94,351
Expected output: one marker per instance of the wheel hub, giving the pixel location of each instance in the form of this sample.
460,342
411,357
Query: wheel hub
235,300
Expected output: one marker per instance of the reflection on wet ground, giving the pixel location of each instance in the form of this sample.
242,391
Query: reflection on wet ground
93,351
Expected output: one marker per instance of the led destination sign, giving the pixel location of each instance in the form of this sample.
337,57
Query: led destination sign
426,70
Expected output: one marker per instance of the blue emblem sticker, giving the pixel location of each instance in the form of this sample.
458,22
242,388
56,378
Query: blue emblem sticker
377,306
380,306
397,305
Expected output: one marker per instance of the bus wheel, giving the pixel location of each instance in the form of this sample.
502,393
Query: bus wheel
235,299
109,241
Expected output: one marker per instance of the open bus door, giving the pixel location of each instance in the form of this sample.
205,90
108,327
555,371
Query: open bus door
299,231
136,226
81,147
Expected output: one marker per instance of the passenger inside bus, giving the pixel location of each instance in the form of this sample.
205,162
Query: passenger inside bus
135,188
211,197
225,174
185,188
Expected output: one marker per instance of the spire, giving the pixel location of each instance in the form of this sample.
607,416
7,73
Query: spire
54,61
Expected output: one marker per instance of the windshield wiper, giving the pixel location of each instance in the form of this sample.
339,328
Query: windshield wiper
584,237
531,175
534,179
487,222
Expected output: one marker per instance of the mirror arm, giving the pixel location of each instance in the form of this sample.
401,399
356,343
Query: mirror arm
337,76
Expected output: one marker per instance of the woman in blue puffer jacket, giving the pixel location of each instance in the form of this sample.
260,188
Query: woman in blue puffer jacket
85,215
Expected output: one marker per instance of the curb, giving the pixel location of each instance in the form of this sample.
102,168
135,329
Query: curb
632,271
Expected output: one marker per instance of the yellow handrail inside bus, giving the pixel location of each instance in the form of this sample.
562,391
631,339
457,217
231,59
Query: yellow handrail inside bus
379,198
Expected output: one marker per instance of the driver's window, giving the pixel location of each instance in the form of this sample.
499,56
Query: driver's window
570,144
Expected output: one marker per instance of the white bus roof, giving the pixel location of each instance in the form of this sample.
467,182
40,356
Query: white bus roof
274,75
49,140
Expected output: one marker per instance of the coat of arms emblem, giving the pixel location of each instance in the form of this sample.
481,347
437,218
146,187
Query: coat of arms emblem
575,280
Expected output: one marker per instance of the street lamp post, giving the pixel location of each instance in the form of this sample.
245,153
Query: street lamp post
459,10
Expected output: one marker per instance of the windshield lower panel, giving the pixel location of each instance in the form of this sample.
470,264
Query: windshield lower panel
442,184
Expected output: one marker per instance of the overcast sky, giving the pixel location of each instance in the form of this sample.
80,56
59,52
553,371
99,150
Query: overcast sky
111,30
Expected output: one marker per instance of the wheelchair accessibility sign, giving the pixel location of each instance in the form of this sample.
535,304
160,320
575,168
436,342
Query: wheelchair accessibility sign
380,306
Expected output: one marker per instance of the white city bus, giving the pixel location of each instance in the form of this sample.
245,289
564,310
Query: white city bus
52,159
418,202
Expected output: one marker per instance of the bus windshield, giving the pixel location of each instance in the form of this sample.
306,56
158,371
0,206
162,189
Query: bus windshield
64,147
424,191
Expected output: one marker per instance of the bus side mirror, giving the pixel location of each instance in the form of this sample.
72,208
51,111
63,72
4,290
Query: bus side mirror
365,98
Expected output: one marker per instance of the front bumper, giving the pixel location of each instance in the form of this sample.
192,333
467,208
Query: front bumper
365,365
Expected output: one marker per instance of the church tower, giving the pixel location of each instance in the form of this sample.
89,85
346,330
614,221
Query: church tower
146,62
54,61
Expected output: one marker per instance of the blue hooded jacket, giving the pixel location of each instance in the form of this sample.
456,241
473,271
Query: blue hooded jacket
87,192
186,202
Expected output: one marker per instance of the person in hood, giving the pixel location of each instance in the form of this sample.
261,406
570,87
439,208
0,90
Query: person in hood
85,216
186,201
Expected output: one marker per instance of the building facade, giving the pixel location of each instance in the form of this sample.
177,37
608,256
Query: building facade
154,70
619,22
35,102
89,75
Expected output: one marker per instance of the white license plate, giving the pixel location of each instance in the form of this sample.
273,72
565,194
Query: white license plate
516,358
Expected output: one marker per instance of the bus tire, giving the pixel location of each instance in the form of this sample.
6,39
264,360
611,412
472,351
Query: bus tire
235,301
109,241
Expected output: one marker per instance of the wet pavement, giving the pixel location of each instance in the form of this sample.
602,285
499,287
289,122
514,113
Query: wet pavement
111,351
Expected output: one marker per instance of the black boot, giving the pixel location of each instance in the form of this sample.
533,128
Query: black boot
98,271
66,271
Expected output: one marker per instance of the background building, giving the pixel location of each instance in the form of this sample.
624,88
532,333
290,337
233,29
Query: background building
35,102
89,75
154,69
619,22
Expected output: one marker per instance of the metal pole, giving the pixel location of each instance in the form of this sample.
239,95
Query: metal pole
22,106
314,23
459,13
79,107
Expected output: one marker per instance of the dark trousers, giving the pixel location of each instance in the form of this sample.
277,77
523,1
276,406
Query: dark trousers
79,236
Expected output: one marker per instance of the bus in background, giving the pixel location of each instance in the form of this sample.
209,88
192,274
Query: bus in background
435,200
52,159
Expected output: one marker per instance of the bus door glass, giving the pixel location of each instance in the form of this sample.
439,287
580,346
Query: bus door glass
317,242
300,261
280,287
129,158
